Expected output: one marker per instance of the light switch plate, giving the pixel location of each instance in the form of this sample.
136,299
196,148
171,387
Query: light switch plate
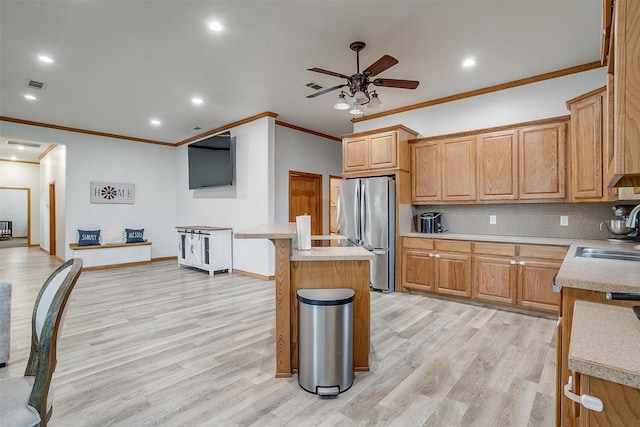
492,219
564,221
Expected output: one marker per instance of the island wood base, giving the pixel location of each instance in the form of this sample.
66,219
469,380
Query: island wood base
334,274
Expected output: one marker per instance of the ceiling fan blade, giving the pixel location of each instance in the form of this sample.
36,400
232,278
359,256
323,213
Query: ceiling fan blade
331,73
404,84
380,65
322,92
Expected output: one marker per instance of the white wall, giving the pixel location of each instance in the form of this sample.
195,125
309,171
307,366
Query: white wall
535,101
83,158
25,175
303,152
252,202
13,207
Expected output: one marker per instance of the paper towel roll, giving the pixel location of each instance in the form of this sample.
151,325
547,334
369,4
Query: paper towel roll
303,230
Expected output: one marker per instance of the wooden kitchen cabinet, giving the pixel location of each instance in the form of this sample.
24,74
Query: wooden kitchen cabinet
495,273
621,403
497,155
376,151
586,146
458,163
453,274
541,162
426,181
417,264
624,168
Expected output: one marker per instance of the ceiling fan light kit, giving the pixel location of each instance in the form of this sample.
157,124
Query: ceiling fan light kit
358,83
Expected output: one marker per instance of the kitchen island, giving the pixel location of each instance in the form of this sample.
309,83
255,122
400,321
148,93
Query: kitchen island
321,267
598,339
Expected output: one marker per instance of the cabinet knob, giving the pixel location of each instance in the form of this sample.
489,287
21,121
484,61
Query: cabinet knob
522,263
513,262
585,400
437,255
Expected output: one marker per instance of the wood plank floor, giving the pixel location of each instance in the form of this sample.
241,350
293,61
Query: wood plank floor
158,345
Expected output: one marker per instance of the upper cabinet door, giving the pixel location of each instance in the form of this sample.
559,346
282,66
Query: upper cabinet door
425,172
542,161
355,154
459,169
586,147
497,155
383,150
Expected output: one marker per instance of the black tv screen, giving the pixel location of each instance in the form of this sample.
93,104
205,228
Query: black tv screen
211,162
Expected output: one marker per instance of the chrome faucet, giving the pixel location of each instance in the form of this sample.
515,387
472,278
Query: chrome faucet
632,219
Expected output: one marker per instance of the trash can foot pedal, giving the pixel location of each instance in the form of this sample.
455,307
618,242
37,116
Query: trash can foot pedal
328,391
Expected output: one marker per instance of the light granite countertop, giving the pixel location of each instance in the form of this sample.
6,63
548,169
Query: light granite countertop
493,238
332,254
604,275
268,231
605,343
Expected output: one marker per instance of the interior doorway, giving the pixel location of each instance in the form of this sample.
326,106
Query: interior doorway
305,197
52,218
15,206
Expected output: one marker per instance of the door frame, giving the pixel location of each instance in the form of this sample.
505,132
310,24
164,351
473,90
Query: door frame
52,218
319,195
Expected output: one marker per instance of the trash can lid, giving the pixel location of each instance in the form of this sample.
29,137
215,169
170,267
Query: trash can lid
326,296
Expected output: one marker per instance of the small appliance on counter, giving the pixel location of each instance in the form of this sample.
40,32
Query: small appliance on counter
430,222
617,227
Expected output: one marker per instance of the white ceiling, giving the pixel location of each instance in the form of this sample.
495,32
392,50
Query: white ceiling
120,63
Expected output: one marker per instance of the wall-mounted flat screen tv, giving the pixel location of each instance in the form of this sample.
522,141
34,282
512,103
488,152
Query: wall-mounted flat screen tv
211,162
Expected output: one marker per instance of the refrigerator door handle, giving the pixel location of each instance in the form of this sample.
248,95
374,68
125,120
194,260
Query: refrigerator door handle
358,213
363,212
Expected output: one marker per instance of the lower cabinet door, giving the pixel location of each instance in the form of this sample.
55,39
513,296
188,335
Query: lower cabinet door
495,279
417,270
535,289
621,403
453,274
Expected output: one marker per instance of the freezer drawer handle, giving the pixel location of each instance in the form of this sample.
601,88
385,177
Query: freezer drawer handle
585,400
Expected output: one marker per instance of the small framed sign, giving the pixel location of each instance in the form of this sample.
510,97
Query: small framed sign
113,192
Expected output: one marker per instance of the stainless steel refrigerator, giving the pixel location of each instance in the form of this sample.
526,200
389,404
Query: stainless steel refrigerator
367,218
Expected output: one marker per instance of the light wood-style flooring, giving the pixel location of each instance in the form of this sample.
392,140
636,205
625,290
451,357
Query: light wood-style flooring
158,345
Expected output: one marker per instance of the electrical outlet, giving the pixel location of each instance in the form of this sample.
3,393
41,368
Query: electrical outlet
564,221
492,219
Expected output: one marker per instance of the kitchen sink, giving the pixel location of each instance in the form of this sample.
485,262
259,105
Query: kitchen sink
608,254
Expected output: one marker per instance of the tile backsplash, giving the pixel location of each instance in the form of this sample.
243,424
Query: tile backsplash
538,220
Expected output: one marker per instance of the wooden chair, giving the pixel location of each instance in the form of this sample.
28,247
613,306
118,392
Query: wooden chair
25,401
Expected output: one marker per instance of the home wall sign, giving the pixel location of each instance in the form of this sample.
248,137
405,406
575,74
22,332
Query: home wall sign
113,192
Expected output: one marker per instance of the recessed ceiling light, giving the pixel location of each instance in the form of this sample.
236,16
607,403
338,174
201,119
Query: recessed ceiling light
14,158
20,147
45,58
216,26
155,122
197,101
469,62
30,97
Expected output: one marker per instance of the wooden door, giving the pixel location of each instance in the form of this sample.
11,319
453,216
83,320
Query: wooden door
355,154
495,279
458,169
383,150
305,197
425,172
586,148
52,218
497,155
534,285
541,153
453,274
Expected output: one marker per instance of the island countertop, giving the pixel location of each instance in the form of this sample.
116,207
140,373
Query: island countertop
605,343
269,231
332,254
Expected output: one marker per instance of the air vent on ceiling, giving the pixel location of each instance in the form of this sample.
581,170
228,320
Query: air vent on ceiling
197,128
24,144
35,85
315,86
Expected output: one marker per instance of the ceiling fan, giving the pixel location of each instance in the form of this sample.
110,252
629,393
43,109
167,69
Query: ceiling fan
358,83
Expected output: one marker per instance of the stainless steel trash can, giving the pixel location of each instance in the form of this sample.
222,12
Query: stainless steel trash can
325,340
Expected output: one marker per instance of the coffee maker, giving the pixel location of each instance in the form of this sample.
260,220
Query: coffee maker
430,222
617,227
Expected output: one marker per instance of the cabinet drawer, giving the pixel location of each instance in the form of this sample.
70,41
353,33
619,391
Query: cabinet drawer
501,249
417,243
453,246
556,253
